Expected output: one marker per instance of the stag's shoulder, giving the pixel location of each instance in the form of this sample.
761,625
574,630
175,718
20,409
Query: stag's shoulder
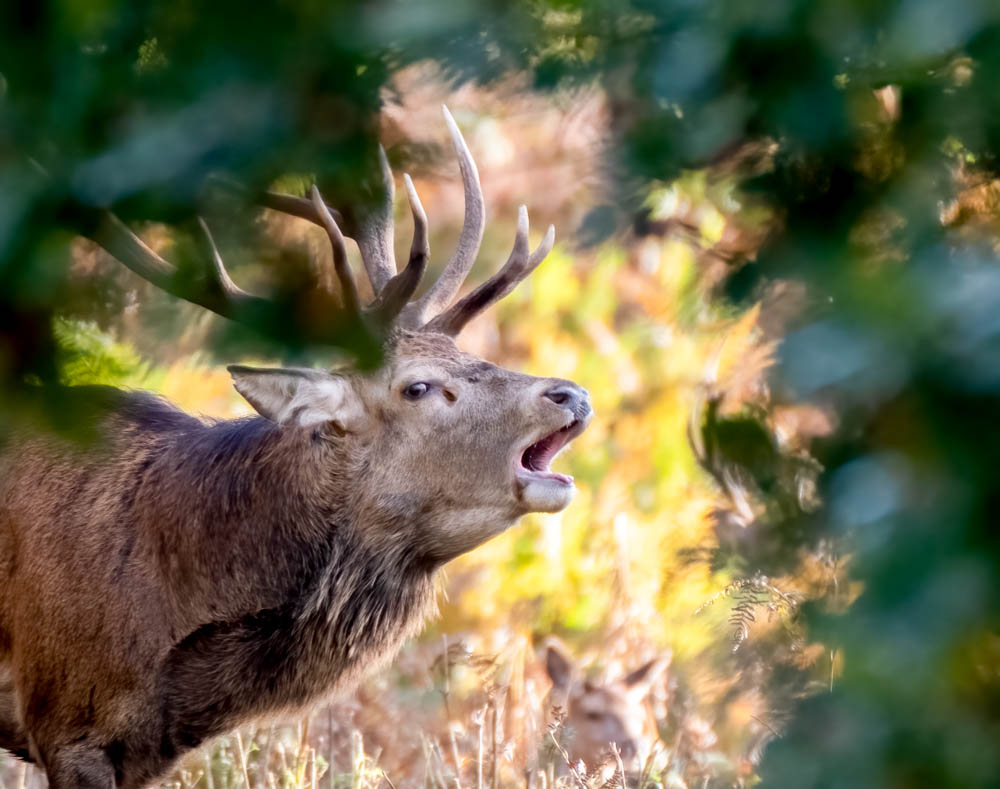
151,412
89,414
109,408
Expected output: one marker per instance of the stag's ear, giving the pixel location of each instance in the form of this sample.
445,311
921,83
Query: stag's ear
293,396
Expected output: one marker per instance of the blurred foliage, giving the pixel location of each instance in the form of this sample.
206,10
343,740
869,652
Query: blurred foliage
90,357
834,161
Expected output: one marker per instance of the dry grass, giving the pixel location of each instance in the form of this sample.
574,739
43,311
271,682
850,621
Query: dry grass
442,718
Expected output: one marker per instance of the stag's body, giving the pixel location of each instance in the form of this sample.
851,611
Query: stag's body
223,569
173,578
176,578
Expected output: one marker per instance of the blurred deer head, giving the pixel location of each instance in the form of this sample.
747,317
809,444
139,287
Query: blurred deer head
598,714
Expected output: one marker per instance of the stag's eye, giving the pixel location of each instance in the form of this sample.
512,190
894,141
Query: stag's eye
416,391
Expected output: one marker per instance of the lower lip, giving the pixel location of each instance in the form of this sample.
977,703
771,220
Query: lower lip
541,476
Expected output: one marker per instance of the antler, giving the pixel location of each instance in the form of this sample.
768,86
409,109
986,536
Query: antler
518,266
219,294
374,236
440,294
328,322
374,232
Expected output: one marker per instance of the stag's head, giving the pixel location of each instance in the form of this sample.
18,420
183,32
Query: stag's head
433,427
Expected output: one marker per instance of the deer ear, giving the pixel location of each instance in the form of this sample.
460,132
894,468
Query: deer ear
294,396
641,679
558,665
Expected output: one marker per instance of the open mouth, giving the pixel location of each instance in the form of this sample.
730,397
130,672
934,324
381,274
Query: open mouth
535,459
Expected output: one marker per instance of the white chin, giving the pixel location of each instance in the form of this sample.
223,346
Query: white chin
545,494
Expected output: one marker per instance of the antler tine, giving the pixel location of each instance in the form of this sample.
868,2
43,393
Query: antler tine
397,291
518,266
375,236
348,287
302,207
447,285
373,233
222,279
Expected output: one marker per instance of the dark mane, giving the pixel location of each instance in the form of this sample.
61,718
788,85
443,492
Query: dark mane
208,444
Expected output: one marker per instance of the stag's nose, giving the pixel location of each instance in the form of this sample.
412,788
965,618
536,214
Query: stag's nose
569,395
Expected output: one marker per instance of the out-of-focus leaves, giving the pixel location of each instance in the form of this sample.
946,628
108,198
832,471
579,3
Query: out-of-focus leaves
139,108
89,357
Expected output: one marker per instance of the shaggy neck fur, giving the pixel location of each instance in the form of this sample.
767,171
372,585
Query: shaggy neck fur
279,507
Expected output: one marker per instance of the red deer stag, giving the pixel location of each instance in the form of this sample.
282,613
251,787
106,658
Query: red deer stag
180,577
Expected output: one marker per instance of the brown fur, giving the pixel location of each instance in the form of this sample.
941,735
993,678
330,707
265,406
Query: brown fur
178,577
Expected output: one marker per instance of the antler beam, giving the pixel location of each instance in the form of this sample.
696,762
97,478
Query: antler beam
219,294
397,292
376,234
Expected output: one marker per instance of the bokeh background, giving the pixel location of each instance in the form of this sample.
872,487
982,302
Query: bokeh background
776,272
